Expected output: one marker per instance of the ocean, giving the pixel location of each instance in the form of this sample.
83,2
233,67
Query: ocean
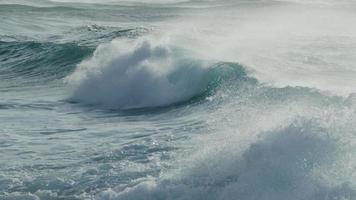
177,100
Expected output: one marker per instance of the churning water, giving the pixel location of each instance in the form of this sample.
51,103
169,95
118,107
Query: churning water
188,100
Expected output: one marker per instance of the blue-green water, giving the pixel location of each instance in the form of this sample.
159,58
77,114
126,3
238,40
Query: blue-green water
247,100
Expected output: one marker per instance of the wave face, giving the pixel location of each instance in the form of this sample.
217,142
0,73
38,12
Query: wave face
178,100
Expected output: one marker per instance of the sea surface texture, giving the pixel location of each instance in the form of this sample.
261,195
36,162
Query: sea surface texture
178,100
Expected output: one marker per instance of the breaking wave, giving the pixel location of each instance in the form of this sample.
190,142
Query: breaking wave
135,74
299,150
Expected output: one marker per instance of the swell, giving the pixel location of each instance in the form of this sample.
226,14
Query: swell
39,62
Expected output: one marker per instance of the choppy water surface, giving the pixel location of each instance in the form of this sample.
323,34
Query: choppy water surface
178,100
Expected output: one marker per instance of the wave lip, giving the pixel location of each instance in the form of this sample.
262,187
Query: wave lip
126,74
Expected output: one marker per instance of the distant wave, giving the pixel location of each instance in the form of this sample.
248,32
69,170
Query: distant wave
118,1
37,61
54,2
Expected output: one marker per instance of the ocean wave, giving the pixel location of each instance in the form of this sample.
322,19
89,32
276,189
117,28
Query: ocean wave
128,74
268,143
222,106
34,62
291,162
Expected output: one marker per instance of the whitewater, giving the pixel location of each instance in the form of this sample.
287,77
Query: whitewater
177,100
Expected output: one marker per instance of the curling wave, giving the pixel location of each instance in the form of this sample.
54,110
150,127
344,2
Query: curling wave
127,74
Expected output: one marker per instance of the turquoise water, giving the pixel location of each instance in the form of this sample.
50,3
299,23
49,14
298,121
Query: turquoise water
248,100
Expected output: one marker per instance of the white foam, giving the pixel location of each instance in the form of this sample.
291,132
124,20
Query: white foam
281,166
133,74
